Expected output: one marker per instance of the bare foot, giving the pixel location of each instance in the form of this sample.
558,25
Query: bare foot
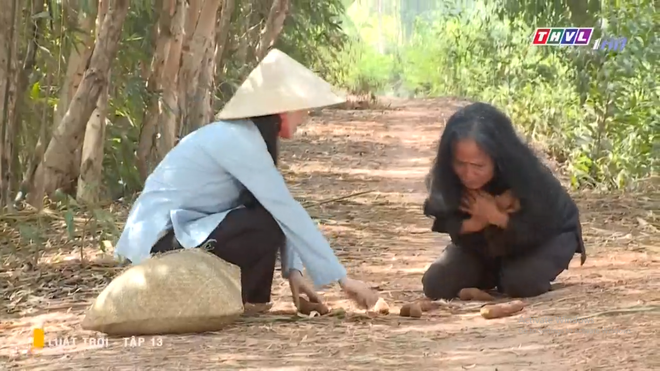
259,308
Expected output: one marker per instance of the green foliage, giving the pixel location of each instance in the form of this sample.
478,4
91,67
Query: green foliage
622,117
371,71
597,111
97,224
313,35
594,110
361,67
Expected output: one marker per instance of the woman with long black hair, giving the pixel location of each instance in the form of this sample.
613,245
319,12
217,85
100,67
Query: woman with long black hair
512,225
220,186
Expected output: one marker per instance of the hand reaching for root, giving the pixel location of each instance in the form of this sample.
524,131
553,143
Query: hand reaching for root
359,292
314,302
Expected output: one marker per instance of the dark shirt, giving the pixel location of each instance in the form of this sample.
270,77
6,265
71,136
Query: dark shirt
539,220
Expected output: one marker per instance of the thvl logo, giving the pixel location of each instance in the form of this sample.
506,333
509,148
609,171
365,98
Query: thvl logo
567,36
558,36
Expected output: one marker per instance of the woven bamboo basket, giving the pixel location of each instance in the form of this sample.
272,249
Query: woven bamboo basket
182,291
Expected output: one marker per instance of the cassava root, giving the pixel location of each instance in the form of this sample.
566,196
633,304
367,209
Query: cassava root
492,311
474,294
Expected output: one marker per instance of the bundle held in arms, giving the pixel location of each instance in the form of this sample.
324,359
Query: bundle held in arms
183,291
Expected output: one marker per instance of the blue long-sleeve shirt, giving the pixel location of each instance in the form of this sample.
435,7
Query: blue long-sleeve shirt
199,182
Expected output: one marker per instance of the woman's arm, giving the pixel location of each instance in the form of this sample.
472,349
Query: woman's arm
453,223
290,260
531,225
245,157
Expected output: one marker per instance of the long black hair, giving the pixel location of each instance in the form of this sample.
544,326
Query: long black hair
269,127
516,166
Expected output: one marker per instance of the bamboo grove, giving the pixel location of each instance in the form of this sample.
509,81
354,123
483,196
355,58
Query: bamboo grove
93,93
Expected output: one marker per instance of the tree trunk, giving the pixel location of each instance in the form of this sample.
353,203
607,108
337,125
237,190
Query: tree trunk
76,62
273,27
76,65
241,55
147,69
257,20
168,112
222,35
33,36
201,107
60,152
90,180
223,43
146,151
9,37
200,42
193,11
190,23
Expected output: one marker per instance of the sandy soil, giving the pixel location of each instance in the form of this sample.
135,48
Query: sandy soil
600,316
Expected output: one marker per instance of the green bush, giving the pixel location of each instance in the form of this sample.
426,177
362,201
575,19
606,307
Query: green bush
369,70
595,111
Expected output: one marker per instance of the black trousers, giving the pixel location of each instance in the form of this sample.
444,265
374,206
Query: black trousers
249,238
526,275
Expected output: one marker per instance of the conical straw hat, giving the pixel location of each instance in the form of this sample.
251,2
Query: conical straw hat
279,84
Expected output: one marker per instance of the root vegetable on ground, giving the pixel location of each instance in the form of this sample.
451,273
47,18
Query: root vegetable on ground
381,307
474,294
413,310
501,310
427,305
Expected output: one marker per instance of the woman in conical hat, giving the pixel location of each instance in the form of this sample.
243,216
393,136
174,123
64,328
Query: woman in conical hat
220,186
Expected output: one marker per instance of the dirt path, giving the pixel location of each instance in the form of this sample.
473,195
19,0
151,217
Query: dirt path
383,238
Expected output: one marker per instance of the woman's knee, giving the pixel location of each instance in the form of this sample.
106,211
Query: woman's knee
267,223
532,274
256,222
523,282
454,270
265,233
437,282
